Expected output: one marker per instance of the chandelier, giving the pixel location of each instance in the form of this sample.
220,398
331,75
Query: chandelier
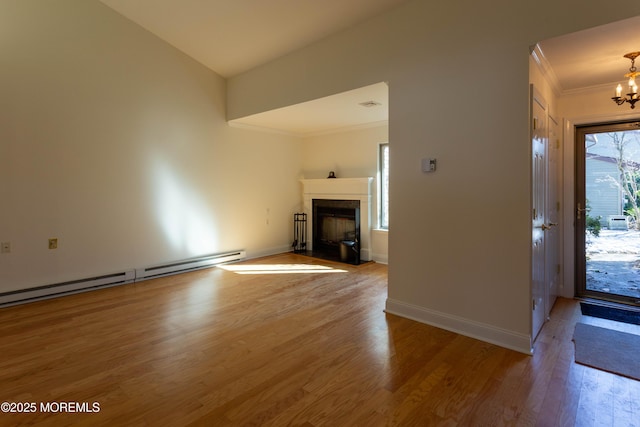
632,96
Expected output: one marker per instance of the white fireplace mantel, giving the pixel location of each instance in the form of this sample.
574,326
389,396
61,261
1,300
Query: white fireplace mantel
341,189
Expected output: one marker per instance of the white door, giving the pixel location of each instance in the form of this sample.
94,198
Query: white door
552,235
539,144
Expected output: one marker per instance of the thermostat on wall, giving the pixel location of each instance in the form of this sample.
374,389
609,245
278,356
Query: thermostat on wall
428,165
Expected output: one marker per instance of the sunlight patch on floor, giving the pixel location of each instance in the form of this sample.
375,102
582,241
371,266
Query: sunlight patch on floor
280,269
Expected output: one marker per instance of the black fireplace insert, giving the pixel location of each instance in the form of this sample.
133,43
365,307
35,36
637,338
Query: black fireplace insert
336,230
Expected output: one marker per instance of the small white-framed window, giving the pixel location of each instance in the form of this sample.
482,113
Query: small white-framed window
384,186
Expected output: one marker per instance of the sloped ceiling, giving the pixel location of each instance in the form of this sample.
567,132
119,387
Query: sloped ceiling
233,36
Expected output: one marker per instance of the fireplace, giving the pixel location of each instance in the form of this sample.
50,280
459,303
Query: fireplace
336,230
339,232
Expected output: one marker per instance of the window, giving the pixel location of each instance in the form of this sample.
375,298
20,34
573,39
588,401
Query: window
384,186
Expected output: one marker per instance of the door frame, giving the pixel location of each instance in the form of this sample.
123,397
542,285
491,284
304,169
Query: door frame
579,218
569,124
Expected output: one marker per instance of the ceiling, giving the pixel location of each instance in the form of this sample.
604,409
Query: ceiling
233,36
366,106
593,57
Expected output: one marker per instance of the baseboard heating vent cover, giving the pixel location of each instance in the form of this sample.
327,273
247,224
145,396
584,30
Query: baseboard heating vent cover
65,288
191,264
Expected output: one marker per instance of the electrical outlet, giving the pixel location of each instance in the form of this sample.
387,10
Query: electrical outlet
53,243
5,247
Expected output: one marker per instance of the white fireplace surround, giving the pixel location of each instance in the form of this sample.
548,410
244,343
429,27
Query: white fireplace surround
341,189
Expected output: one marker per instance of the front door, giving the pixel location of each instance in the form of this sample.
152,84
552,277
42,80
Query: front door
607,212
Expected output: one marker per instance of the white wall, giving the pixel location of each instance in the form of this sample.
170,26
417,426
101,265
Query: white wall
350,154
116,144
458,82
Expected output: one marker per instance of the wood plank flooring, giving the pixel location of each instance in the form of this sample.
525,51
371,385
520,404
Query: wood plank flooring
299,342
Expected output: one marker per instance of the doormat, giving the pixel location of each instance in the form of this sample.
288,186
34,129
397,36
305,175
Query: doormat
611,313
607,350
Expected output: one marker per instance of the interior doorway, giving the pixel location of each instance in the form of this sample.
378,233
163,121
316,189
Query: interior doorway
607,211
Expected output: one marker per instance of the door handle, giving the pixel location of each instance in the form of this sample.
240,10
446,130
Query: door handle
546,227
580,210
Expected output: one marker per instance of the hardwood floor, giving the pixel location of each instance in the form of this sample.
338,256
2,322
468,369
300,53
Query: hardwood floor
298,341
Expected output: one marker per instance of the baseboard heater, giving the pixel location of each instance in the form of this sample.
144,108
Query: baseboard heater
115,279
65,288
183,266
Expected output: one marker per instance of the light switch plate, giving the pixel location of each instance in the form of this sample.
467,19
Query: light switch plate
428,165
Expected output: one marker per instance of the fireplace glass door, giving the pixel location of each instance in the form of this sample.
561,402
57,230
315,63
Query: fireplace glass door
336,229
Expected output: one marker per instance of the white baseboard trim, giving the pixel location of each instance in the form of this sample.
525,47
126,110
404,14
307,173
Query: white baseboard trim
481,331
380,258
364,254
269,251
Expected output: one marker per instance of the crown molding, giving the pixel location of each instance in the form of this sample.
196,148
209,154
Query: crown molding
545,68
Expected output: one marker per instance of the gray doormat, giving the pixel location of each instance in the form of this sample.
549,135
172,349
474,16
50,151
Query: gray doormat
608,350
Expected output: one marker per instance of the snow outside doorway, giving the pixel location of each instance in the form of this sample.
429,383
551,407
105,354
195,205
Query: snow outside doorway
613,262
